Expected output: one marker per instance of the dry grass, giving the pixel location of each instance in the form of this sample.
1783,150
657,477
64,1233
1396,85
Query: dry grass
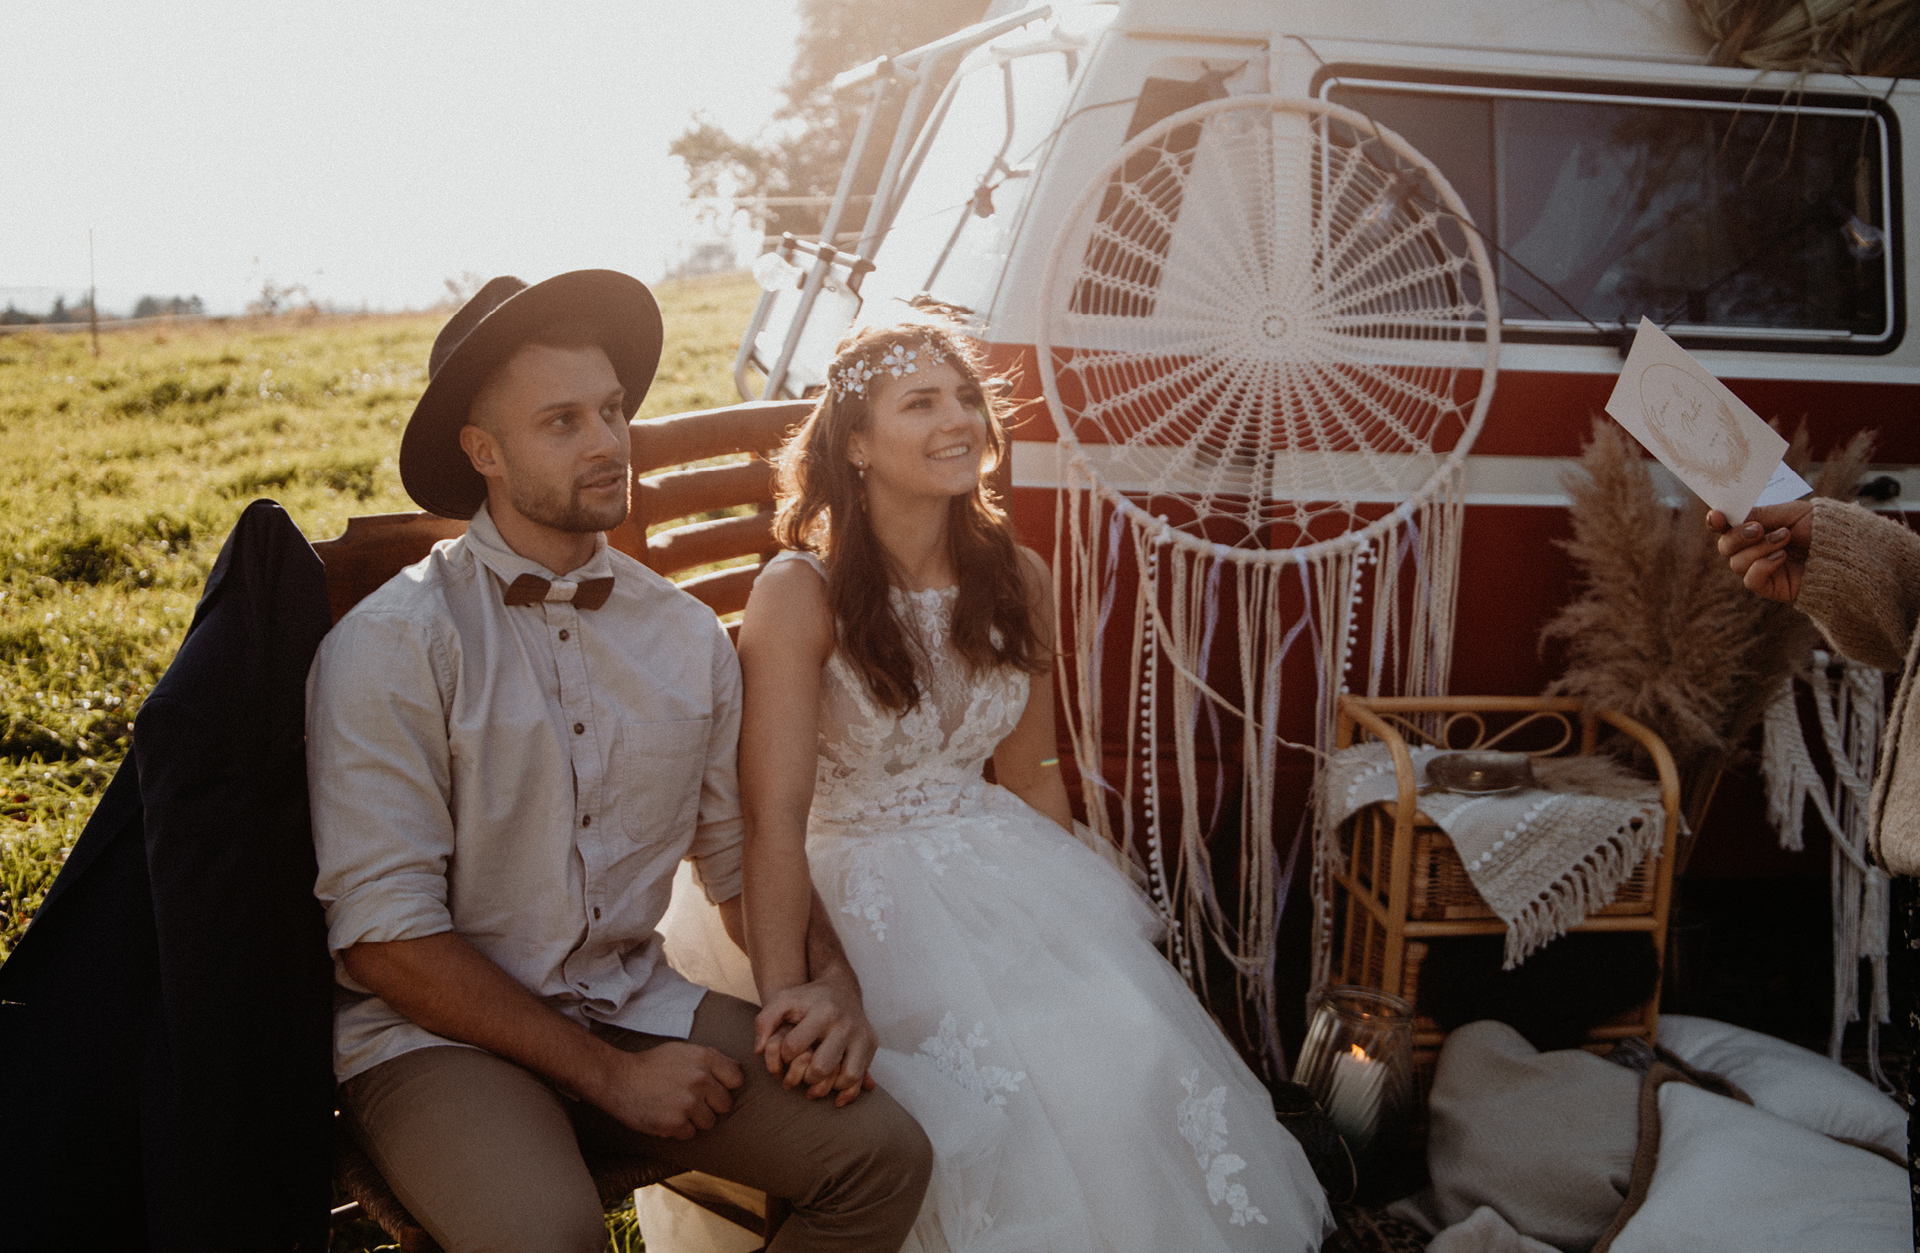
1662,630
1876,38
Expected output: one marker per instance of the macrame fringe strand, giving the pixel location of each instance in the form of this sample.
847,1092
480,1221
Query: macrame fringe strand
1170,632
1851,713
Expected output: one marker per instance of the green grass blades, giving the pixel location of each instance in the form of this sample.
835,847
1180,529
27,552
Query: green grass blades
42,809
125,472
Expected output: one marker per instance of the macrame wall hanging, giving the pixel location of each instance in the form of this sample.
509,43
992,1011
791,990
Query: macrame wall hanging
1269,336
1849,701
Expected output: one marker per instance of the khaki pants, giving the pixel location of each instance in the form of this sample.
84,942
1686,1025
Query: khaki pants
487,1156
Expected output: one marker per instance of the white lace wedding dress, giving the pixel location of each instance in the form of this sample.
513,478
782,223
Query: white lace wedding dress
1077,1096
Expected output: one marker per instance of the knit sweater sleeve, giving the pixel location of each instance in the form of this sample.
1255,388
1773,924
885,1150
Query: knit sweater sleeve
1862,585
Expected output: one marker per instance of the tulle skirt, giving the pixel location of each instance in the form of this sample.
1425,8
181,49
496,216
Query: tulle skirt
1078,1098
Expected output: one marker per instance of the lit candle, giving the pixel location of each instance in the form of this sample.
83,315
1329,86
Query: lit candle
1354,1089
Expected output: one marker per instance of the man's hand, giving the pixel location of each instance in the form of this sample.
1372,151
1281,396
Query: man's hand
670,1090
817,1034
447,986
1769,550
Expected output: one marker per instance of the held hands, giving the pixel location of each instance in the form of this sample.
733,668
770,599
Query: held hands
1769,550
817,1034
670,1090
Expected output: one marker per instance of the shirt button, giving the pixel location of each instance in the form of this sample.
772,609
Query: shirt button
596,913
587,821
579,728
563,637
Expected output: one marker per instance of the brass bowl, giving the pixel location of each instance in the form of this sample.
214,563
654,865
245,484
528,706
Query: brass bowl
1479,773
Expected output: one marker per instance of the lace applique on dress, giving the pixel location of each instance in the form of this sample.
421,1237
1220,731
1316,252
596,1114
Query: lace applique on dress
881,772
1203,1125
867,897
953,1057
937,845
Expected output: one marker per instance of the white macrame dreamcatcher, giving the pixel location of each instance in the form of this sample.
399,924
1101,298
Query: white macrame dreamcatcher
1851,708
1268,337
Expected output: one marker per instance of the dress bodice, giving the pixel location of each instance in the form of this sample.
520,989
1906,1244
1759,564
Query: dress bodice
879,770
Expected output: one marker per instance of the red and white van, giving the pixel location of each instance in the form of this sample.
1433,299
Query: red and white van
1761,217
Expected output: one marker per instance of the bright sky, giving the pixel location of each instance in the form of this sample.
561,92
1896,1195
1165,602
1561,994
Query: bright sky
368,150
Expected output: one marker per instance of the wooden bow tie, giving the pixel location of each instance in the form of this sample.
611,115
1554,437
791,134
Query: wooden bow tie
531,589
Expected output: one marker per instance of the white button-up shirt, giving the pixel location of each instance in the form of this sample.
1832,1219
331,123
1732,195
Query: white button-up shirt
526,777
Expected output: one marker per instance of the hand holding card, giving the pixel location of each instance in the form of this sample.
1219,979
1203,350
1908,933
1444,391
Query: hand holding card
1699,429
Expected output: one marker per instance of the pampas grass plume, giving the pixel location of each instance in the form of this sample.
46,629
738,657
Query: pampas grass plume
1661,630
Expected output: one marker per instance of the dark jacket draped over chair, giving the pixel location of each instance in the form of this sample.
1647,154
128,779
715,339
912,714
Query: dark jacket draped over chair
165,1023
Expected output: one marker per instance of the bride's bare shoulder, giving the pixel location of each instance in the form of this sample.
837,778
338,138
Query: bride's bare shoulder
788,609
790,560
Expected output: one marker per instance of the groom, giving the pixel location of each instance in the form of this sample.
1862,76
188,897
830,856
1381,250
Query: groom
511,746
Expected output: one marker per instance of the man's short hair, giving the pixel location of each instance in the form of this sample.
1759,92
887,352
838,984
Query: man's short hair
564,334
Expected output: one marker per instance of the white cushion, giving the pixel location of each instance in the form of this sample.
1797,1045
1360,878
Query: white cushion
1790,1081
1735,1178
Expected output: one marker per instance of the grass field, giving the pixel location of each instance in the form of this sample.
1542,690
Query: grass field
125,472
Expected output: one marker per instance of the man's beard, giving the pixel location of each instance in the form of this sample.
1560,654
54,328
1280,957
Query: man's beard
565,511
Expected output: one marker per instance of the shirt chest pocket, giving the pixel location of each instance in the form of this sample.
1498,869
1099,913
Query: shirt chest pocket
657,771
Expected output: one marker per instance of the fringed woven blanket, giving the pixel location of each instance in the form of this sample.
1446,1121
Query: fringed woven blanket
1542,858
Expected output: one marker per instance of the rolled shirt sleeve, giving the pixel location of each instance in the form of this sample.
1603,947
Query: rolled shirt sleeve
717,839
380,779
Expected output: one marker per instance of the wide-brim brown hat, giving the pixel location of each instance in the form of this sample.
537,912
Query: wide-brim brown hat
499,318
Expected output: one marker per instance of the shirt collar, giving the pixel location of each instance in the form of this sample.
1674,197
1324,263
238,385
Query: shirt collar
485,543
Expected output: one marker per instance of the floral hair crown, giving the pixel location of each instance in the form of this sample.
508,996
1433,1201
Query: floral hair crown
895,359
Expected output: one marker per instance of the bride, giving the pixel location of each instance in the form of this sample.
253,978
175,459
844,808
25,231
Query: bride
1077,1095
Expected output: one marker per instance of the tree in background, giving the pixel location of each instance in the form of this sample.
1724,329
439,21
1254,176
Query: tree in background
276,298
172,306
814,129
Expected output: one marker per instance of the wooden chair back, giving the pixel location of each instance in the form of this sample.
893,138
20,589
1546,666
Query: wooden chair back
374,548
678,491
679,485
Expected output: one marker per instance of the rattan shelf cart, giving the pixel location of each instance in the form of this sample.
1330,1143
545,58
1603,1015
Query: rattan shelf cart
1400,884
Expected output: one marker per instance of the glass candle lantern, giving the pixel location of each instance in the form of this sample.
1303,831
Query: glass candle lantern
1358,1063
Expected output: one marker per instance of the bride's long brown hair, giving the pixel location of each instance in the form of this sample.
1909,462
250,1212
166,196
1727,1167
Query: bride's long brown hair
823,510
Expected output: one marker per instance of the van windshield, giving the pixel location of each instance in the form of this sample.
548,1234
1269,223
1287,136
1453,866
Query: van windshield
953,230
1715,219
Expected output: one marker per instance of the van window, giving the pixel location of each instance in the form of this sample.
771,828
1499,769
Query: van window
1733,222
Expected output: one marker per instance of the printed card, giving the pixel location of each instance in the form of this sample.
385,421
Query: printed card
1699,429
